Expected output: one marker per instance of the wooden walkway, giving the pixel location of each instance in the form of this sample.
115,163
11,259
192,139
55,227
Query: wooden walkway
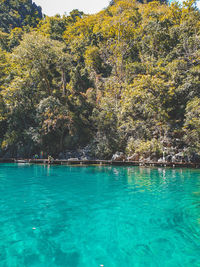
103,163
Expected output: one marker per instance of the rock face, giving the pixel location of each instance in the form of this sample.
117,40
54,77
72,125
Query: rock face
134,157
119,156
80,154
194,158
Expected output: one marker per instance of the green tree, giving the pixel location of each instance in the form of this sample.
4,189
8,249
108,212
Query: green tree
192,125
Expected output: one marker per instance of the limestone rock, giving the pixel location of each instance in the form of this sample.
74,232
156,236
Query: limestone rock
119,156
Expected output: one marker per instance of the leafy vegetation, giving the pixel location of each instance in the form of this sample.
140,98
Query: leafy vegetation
125,79
18,13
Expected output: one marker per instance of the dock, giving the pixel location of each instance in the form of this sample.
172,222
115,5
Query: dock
103,163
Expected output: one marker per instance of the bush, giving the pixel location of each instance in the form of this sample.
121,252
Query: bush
144,148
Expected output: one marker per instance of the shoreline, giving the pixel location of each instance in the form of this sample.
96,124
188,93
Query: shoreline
104,162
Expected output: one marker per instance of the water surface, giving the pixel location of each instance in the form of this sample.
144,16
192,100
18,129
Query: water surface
99,216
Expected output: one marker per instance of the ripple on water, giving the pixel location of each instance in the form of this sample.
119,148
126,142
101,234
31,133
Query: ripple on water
93,216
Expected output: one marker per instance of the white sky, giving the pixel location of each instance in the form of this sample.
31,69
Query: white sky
53,7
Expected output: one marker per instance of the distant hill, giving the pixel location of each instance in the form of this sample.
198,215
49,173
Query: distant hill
18,13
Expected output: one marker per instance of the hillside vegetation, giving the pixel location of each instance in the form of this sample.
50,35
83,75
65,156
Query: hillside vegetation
18,13
125,79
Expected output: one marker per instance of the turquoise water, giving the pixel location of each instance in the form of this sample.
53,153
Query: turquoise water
99,216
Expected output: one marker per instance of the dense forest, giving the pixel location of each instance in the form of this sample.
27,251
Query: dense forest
126,79
18,13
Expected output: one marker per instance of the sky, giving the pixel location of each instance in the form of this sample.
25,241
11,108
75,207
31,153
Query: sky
53,7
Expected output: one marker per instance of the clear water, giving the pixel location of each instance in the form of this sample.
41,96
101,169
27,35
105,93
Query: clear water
99,216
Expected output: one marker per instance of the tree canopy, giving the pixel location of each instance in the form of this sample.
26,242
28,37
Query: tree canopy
125,79
18,13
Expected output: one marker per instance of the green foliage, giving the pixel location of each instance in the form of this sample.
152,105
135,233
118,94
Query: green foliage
144,149
192,125
55,121
125,79
18,13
